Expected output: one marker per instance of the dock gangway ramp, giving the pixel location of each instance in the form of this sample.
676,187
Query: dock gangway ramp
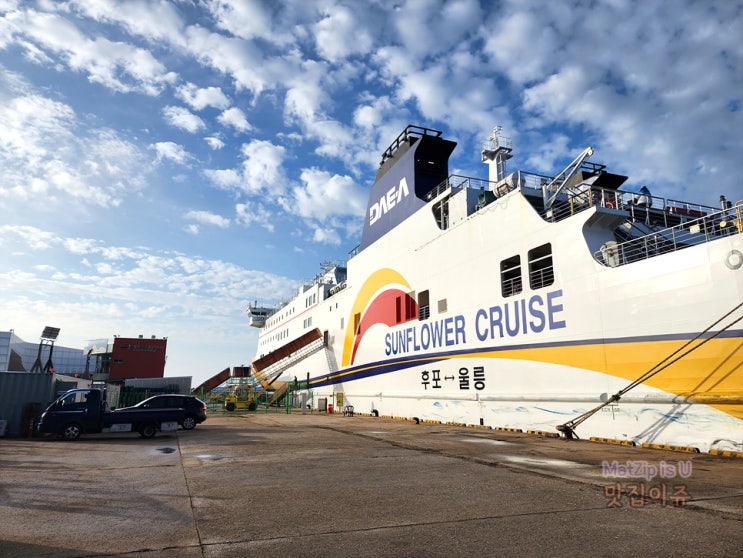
268,368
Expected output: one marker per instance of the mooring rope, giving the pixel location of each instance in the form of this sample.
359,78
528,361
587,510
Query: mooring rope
569,427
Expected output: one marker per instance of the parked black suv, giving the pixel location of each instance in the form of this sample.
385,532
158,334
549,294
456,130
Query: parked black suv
195,408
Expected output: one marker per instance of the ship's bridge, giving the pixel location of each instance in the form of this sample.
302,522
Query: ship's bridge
259,314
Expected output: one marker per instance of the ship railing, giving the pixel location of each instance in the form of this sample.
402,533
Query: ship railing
541,277
441,188
457,183
701,230
410,132
511,286
424,312
320,278
468,183
307,284
651,209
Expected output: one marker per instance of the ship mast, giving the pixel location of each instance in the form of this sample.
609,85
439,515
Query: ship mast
495,152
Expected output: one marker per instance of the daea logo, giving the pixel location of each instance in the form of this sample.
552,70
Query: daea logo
388,201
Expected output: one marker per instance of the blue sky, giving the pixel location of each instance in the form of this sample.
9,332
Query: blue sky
162,164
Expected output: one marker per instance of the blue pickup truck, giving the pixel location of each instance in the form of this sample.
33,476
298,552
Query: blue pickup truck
83,411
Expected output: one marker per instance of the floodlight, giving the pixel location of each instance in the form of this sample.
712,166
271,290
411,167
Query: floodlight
50,333
47,338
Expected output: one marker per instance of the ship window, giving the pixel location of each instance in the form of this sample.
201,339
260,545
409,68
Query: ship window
424,310
510,276
541,272
410,306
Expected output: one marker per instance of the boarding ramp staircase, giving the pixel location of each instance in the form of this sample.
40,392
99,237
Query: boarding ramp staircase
268,368
218,379
278,392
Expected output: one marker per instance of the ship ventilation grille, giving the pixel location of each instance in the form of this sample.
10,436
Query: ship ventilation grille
442,306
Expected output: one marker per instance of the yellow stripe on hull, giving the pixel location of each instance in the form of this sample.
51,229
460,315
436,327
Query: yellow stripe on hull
712,374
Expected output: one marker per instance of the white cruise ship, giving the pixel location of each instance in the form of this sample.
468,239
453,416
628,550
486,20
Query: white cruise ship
562,303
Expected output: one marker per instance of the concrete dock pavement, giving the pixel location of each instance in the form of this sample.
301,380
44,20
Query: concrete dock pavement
328,485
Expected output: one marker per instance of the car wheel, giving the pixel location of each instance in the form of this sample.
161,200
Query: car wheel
147,430
230,406
189,422
72,431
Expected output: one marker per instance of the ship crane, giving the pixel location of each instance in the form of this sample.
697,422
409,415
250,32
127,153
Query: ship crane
568,429
558,183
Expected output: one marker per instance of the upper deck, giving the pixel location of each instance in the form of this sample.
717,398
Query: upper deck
636,225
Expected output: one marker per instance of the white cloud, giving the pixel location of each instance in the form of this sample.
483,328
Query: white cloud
339,34
46,154
642,107
214,142
235,118
307,97
251,20
80,246
183,118
154,21
106,61
44,268
105,268
324,195
560,96
34,238
508,42
262,167
172,151
253,213
239,59
246,20
226,179
116,65
326,236
545,158
307,103
208,218
446,23
200,98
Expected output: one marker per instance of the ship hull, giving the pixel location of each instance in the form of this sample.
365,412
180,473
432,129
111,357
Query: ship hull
427,327
546,358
